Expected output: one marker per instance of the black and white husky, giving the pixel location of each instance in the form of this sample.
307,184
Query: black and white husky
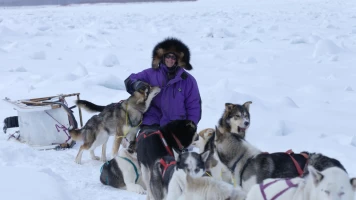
123,170
152,145
250,165
168,177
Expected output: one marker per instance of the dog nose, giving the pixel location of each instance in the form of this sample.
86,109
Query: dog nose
247,123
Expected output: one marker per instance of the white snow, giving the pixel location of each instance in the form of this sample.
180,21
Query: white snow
109,60
295,60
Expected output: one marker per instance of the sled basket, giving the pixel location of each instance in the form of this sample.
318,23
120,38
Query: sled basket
43,122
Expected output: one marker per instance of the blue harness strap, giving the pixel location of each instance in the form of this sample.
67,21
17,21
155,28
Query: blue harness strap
101,171
134,166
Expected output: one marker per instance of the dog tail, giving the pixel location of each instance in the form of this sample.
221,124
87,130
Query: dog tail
75,134
156,181
89,106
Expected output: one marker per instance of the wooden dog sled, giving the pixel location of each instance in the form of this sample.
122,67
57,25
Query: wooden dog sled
44,122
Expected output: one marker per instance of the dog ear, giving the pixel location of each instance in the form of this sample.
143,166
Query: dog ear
202,132
176,154
228,106
204,156
353,183
316,175
208,133
247,105
191,124
139,96
217,132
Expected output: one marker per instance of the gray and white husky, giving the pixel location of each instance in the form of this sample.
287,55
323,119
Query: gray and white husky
250,165
169,180
119,119
235,118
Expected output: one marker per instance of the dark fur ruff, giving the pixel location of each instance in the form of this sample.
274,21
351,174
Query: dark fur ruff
151,148
111,174
175,46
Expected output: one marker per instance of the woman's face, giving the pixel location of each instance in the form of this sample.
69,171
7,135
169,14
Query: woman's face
170,60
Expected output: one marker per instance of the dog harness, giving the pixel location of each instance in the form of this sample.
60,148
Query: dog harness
263,187
133,165
166,164
297,166
101,171
128,120
158,132
289,152
128,160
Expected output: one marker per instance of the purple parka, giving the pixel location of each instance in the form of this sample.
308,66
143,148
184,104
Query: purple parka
179,98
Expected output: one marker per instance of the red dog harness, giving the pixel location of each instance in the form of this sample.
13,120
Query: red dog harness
163,163
158,132
166,165
296,164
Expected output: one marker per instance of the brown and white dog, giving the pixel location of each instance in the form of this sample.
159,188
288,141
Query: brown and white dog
213,165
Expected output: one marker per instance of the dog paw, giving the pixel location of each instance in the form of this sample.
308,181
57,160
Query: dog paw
136,188
103,159
78,161
95,158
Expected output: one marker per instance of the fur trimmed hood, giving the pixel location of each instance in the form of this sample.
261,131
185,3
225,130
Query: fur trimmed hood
171,45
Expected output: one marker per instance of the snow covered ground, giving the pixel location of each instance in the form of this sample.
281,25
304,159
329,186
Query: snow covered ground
294,59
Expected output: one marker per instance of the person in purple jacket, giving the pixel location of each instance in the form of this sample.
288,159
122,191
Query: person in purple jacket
179,97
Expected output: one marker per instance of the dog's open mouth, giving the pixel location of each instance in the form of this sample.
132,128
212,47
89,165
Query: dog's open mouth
239,129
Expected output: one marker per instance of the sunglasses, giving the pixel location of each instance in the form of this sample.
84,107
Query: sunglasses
173,57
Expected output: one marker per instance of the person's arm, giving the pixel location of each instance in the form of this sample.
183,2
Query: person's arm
193,102
135,81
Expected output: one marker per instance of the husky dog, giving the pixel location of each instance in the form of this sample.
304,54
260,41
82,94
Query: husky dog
123,170
168,183
153,145
332,183
202,138
213,165
119,119
235,119
250,166
206,188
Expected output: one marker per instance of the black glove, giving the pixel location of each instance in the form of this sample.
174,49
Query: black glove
134,86
139,85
